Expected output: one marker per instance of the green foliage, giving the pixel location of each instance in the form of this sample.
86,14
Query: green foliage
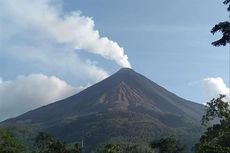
168,145
213,148
224,28
44,143
111,148
216,138
226,2
125,148
8,144
136,148
47,144
217,108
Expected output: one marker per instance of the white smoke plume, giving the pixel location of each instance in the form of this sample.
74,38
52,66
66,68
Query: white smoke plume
75,30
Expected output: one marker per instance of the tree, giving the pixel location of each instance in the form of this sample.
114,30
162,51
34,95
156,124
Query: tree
224,28
168,145
48,144
8,144
111,148
217,136
126,147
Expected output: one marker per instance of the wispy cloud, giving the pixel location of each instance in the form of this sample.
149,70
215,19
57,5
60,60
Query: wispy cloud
164,28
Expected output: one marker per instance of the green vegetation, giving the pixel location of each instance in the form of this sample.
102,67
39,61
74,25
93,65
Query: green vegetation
216,138
48,144
111,148
8,144
45,143
168,145
224,28
126,148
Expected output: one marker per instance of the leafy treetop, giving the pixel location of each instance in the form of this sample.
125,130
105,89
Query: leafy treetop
224,28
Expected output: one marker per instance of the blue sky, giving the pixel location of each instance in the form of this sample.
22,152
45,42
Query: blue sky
46,48
169,42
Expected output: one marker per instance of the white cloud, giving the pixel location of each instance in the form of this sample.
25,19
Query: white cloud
213,87
73,29
32,91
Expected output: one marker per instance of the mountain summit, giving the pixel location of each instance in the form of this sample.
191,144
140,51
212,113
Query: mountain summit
125,105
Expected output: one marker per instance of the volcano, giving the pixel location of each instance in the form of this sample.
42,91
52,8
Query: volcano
124,107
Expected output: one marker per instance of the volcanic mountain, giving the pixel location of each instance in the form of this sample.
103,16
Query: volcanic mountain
124,107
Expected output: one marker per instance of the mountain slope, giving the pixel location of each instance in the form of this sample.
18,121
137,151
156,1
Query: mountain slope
125,106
